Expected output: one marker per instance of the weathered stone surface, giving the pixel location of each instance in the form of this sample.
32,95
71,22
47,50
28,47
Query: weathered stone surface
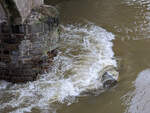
17,10
11,11
2,14
23,46
25,6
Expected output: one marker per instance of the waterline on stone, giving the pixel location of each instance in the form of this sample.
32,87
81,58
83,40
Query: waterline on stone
84,51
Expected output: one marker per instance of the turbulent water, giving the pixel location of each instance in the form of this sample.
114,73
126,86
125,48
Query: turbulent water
121,27
84,51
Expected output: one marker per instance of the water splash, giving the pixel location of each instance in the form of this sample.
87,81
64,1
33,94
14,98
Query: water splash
84,52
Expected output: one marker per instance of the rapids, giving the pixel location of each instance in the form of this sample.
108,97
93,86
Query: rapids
84,51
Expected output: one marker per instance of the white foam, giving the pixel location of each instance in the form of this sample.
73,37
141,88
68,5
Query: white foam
84,52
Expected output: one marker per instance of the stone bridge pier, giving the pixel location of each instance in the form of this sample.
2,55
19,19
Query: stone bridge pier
17,10
29,35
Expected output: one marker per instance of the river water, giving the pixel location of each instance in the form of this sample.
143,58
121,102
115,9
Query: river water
95,34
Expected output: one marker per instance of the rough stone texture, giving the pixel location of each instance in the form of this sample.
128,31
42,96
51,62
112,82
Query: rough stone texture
2,14
24,47
11,11
25,6
18,10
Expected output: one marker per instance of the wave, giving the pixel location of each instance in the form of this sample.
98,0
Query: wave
84,51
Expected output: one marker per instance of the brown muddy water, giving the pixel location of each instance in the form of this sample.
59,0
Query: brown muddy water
129,21
96,33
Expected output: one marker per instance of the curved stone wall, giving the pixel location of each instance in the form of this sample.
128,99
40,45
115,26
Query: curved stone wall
28,48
